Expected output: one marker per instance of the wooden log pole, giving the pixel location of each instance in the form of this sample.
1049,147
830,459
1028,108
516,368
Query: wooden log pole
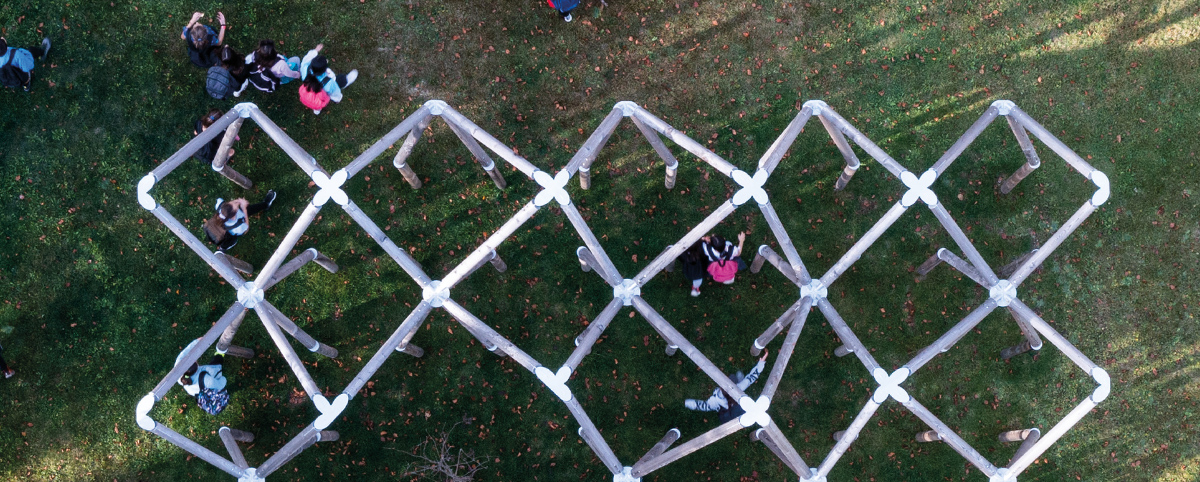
668,256
777,449
770,159
660,148
226,340
234,263
410,349
1031,336
299,334
487,250
1012,351
289,451
785,243
962,266
863,141
184,153
421,116
929,436
481,156
401,257
856,251
582,161
848,338
964,243
848,437
1010,268
1055,240
966,139
470,322
1032,453
328,436
924,268
786,451
586,340
487,140
226,272
950,438
681,139
289,146
837,436
602,264
409,325
952,336
765,253
1055,338
662,446
1027,444
498,262
595,440
289,241
644,467
1032,161
780,323
842,351
289,355
670,267
310,255
586,260
193,355
1015,435
673,337
843,147
220,162
235,452
786,350
400,161
190,446
1052,142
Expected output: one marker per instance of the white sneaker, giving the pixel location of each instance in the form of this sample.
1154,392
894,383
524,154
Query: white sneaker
45,47
351,77
695,292
567,18
728,282
316,111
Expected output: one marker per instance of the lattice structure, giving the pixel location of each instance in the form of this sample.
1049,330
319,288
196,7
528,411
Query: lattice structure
626,291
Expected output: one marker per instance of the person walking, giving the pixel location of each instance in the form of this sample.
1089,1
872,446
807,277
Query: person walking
725,259
269,68
205,382
16,65
723,403
319,79
232,220
694,266
564,8
207,152
202,42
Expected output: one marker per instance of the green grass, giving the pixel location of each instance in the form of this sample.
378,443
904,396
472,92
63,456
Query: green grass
100,296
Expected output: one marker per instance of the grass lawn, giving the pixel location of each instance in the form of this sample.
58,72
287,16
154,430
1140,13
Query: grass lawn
99,296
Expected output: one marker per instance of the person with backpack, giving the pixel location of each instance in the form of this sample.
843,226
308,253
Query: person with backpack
269,68
16,65
232,220
202,42
725,259
563,7
205,382
207,152
694,266
721,402
226,77
320,83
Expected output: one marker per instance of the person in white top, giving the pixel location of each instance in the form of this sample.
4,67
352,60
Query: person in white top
725,259
232,220
726,407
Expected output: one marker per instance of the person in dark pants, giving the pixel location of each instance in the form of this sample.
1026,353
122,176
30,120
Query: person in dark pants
564,8
721,402
18,63
317,75
8,372
232,220
208,151
694,266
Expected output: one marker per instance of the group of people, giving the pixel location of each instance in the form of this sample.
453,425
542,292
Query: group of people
265,68
713,257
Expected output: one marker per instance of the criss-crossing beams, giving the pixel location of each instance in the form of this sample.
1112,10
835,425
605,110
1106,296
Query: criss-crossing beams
626,291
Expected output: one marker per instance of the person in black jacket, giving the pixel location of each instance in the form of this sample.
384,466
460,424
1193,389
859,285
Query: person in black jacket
694,265
209,151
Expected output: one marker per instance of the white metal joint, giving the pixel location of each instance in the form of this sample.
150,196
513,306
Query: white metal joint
437,107
752,187
330,187
143,188
815,477
627,107
1102,391
918,188
756,411
815,289
143,412
1004,107
626,291
816,106
243,109
434,294
1100,179
553,188
556,381
889,385
329,410
249,295
1003,292
250,475
1002,475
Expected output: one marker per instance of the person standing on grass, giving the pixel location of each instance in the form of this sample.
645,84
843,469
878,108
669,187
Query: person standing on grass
725,259
4,368
694,266
318,78
235,64
16,65
207,152
202,41
232,220
205,382
269,68
721,402
564,8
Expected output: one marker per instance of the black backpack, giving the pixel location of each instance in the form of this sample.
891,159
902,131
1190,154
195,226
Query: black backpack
262,79
219,83
11,75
